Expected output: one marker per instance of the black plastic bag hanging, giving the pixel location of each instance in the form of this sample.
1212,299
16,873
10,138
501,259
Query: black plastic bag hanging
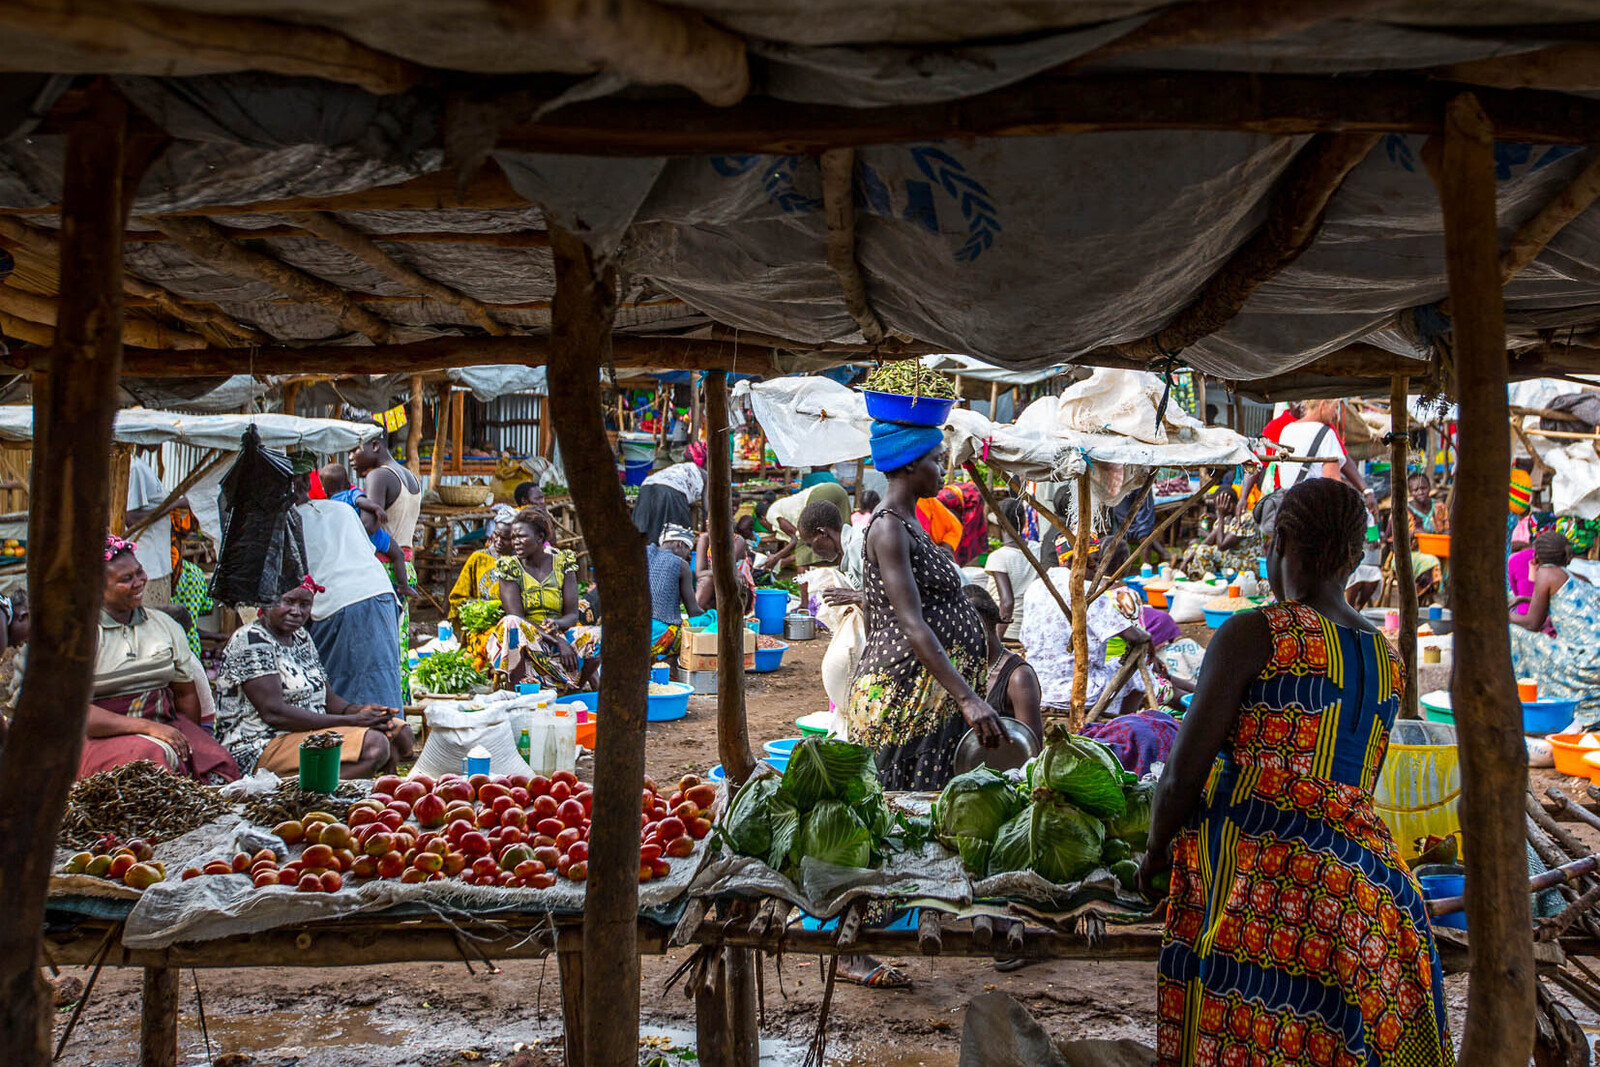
263,551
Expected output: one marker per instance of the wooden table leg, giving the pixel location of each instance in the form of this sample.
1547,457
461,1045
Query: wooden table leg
744,1024
158,1021
569,958
712,1036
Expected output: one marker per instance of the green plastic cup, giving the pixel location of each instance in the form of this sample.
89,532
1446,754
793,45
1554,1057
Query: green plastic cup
319,769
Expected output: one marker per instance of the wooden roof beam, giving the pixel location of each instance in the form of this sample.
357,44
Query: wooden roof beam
360,245
643,41
122,36
1569,68
1532,237
1293,218
142,333
1226,21
209,320
838,180
510,239
212,247
1052,105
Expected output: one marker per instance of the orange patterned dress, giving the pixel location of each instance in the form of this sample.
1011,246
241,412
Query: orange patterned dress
1295,934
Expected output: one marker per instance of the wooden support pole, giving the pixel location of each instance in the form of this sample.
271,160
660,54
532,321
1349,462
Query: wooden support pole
458,430
158,1018
140,333
1499,1027
1022,542
1080,605
580,343
1400,516
414,427
733,734
117,498
838,180
441,421
203,241
569,961
73,403
744,1022
362,247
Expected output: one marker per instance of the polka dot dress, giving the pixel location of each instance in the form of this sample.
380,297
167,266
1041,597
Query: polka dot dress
896,706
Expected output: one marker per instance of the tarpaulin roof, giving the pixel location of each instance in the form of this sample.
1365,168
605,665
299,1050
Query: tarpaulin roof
140,426
1020,250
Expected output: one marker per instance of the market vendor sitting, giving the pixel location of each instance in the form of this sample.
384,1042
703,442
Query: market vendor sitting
538,588
672,592
705,583
146,705
477,580
273,694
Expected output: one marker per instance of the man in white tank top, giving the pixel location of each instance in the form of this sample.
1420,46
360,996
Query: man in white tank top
398,492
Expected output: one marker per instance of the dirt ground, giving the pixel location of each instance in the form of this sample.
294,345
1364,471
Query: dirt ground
432,1015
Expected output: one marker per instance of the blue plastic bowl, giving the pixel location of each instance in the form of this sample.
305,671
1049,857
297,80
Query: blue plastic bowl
1137,585
782,747
590,700
769,659
1186,700
1215,619
1438,886
669,706
1547,716
911,410
717,774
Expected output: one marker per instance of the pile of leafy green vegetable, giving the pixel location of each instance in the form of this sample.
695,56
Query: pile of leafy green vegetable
476,616
827,805
448,672
1072,815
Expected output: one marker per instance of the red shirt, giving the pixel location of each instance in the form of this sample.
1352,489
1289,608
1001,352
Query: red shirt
1272,429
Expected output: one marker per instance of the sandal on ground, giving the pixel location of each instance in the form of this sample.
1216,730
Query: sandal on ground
1015,963
883,976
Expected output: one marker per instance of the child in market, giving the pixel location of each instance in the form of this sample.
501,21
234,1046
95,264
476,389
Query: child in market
336,482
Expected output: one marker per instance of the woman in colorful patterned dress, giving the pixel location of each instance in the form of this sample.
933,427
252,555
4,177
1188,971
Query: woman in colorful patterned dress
538,588
1566,664
1295,933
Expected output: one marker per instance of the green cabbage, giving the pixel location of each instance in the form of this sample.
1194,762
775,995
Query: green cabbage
823,769
833,834
749,820
1133,825
1050,837
784,818
1082,771
971,811
1116,850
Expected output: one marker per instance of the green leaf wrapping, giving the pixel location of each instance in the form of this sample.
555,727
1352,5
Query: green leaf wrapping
834,835
784,819
824,769
971,811
1083,771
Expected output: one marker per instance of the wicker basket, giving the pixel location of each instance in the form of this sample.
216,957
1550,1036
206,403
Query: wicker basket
464,496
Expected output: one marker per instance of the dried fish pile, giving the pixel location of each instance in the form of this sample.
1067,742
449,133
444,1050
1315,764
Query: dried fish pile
139,799
289,801
323,739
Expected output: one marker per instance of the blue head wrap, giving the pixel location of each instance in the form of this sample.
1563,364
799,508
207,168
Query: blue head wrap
896,445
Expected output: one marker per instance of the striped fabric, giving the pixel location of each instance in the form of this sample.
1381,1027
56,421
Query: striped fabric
1295,933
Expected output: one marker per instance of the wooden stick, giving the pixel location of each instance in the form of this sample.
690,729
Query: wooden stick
212,323
362,247
585,292
212,247
142,333
1499,1025
1294,216
441,420
73,403
414,427
1130,664
1563,435
1537,883
733,732
1400,516
1080,605
218,458
1532,236
1568,67
158,1019
1552,928
1005,524
838,180
137,38
1127,564
513,239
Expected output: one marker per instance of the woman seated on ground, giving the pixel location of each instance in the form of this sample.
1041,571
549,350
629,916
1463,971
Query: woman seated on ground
1427,572
705,585
146,705
273,694
1565,663
1234,543
477,580
1012,686
538,588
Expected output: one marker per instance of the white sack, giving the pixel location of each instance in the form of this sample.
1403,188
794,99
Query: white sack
839,662
452,733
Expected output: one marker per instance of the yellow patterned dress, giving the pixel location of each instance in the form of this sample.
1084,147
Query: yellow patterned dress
1295,934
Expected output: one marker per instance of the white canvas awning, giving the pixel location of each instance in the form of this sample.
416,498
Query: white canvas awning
142,426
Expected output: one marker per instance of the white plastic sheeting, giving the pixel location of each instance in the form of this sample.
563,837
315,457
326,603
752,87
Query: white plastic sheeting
140,426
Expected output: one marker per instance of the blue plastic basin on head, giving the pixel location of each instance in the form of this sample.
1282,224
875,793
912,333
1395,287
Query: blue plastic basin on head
910,410
1547,716
1438,886
769,659
771,606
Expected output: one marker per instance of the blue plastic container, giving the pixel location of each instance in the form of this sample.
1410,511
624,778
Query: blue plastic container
1438,886
590,700
669,706
1186,700
661,672
1137,586
911,410
771,606
1215,619
634,472
1261,566
1547,716
769,659
717,774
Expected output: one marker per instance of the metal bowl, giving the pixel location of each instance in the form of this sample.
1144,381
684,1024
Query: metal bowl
1019,745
